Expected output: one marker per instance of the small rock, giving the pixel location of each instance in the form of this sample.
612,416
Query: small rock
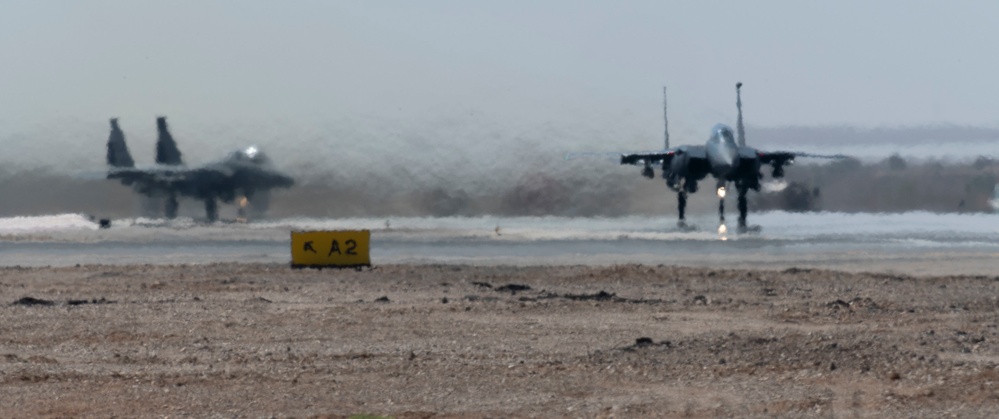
32,301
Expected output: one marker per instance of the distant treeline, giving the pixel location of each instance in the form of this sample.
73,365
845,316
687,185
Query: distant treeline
806,135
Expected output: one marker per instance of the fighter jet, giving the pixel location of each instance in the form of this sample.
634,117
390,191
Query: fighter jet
725,159
245,175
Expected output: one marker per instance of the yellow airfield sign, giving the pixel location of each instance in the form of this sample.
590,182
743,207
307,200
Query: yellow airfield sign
330,249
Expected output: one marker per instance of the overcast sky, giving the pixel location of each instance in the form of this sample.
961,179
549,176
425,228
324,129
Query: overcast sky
522,63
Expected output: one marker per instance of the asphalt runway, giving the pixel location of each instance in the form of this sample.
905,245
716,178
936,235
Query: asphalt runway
915,243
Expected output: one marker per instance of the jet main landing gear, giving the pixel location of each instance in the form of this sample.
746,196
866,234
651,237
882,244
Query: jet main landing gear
211,210
170,207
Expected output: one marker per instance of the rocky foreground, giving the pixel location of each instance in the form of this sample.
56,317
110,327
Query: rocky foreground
462,341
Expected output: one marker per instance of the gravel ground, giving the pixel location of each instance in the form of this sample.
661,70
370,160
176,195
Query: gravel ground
245,340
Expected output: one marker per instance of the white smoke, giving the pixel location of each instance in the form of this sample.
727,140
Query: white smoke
773,186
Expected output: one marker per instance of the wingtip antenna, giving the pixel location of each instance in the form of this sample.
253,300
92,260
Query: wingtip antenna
665,122
738,105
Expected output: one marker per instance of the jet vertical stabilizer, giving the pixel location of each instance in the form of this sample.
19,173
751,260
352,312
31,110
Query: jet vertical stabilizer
166,148
740,129
118,155
665,122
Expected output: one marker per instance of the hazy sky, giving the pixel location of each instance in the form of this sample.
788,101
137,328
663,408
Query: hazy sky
515,63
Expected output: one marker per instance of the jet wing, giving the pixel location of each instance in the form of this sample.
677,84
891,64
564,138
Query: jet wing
176,179
146,179
218,180
648,158
663,156
782,157
778,159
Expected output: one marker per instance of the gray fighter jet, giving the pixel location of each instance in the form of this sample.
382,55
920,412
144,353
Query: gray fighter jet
725,159
245,175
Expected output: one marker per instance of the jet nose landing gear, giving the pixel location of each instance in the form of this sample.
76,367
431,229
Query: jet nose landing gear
721,202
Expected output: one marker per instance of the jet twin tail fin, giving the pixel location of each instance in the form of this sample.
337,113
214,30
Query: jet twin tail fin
118,155
166,148
740,129
665,123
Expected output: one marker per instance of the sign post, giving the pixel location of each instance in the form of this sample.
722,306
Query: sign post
330,249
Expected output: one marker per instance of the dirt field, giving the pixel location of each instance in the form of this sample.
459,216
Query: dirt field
457,341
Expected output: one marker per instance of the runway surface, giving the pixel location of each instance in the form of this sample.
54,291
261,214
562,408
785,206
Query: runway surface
914,243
